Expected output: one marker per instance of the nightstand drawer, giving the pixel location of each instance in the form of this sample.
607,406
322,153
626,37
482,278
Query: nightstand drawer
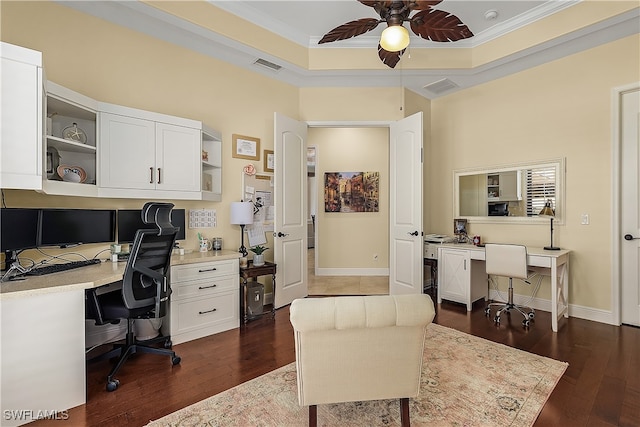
203,270
203,288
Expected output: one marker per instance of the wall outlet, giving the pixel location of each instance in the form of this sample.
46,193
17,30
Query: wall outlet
375,257
584,219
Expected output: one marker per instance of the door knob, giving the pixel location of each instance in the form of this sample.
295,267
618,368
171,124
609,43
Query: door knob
280,234
630,237
415,233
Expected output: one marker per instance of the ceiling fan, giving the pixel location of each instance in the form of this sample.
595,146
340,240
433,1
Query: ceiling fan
428,23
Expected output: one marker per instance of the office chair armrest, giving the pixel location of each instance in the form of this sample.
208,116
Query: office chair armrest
149,272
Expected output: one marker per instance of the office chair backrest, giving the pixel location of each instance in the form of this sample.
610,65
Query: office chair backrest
506,260
149,260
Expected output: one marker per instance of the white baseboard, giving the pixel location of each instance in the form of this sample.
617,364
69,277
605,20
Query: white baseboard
352,272
581,312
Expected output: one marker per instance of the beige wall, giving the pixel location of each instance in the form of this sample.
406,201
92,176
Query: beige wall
560,109
350,240
113,64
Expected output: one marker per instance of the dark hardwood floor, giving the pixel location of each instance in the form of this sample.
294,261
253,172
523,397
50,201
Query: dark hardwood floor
601,386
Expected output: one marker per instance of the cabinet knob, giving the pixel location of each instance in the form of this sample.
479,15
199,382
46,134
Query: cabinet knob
150,175
159,176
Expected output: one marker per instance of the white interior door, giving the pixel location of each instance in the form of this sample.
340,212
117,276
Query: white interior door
630,220
290,200
405,210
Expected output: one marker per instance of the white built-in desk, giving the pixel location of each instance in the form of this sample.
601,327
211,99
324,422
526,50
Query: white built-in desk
462,276
43,336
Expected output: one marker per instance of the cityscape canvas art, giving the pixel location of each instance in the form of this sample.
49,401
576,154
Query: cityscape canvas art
351,191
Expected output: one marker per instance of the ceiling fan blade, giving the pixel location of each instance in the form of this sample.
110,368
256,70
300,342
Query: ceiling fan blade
390,59
439,26
374,3
421,4
350,29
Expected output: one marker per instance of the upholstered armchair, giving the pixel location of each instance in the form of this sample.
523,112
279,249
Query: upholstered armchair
359,348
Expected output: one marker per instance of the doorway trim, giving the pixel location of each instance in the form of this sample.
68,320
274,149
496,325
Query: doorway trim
616,187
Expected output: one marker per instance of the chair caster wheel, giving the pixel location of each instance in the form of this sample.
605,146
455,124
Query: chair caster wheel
487,312
168,344
112,385
497,319
525,323
532,315
175,360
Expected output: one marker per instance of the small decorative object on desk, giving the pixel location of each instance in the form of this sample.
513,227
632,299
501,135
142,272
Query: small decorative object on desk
258,258
205,156
74,133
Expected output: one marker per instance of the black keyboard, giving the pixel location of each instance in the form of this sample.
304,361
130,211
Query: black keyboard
56,268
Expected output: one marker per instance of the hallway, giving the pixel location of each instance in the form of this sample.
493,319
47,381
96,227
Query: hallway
344,285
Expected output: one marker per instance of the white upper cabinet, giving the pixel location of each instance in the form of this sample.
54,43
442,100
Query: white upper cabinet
211,165
504,186
144,154
21,118
70,143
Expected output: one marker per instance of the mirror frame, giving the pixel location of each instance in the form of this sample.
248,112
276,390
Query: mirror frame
558,163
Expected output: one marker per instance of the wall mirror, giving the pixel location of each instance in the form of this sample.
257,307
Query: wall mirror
509,193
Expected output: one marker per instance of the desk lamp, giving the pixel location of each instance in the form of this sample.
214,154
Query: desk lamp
242,214
547,212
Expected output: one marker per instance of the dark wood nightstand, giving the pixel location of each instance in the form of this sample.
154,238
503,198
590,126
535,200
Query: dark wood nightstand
254,272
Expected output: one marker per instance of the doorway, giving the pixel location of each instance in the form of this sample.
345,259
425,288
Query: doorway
626,104
341,259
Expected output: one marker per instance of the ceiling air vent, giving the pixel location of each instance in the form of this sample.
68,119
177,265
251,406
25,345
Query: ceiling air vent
267,64
441,86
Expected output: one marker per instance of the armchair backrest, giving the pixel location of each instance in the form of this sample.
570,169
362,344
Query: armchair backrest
145,282
359,348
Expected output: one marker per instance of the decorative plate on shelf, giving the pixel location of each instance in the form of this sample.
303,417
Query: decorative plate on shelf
72,173
74,133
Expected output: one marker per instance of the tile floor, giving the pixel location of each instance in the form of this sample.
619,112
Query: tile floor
345,285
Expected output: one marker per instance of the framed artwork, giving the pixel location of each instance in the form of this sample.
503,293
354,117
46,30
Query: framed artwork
269,160
460,227
245,147
351,191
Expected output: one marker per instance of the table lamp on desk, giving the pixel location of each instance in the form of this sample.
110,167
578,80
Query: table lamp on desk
547,212
242,214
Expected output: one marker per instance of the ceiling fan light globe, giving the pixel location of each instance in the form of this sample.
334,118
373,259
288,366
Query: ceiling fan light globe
394,38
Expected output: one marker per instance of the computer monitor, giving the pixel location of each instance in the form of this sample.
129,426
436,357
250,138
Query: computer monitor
130,221
18,231
64,227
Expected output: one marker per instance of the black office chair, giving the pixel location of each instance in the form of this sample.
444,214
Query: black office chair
145,289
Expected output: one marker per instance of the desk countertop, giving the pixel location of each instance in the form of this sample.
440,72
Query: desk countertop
530,250
93,276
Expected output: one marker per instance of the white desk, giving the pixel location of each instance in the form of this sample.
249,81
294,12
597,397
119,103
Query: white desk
43,336
549,263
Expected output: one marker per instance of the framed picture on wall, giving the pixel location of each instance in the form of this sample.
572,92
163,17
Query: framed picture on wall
245,147
269,160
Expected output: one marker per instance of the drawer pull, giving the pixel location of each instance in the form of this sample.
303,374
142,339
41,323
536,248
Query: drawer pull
207,287
208,269
208,311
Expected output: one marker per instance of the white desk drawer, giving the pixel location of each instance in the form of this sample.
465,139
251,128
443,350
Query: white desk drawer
204,288
198,313
203,270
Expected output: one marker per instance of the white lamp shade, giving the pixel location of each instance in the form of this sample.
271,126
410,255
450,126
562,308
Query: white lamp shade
394,38
241,213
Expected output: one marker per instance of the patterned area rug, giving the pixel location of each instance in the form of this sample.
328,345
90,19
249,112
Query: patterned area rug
466,381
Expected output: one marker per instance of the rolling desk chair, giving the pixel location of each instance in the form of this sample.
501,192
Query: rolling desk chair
508,261
145,289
